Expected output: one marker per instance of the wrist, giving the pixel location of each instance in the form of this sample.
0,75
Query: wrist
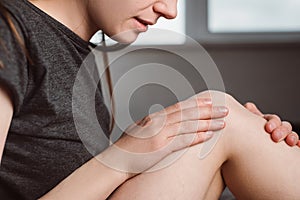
117,161
118,175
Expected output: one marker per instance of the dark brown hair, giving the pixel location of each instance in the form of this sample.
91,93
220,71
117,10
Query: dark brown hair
7,17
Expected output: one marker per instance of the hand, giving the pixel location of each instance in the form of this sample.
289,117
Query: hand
279,130
179,126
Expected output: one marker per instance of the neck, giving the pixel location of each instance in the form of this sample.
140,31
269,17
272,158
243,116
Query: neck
72,13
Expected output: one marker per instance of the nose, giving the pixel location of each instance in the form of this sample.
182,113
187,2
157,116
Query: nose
166,8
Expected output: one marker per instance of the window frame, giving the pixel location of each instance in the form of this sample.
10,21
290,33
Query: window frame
197,28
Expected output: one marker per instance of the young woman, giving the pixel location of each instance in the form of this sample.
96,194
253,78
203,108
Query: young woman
43,43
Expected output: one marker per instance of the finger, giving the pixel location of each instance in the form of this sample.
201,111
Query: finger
292,139
189,103
280,133
202,137
252,108
288,125
201,113
196,126
298,144
273,122
186,140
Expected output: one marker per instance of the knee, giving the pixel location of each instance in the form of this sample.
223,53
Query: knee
239,122
243,128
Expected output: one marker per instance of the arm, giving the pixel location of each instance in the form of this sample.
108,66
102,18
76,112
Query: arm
93,180
96,181
6,113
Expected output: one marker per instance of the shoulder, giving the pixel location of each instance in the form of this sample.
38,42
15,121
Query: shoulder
13,19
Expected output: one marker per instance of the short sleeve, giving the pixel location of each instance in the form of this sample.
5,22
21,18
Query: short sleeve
14,69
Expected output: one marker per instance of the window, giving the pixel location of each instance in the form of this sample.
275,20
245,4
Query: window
253,16
243,21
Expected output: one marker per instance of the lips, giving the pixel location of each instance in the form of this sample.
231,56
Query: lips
145,22
142,24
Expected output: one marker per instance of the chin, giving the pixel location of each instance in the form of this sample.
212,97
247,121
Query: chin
126,37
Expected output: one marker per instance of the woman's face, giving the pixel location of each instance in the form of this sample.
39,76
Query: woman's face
123,20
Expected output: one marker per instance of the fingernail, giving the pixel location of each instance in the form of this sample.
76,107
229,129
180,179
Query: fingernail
207,101
218,123
293,138
223,109
209,133
271,126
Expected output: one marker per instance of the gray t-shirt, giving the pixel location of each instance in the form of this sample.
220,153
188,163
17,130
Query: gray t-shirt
42,146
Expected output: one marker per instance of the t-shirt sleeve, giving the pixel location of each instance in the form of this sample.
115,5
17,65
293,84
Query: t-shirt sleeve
13,66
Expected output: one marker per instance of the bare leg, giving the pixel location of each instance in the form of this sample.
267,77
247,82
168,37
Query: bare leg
258,168
187,178
253,167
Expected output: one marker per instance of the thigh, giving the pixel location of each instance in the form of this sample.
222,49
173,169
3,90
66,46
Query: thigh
187,178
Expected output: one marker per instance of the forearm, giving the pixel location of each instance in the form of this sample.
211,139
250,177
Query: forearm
91,181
